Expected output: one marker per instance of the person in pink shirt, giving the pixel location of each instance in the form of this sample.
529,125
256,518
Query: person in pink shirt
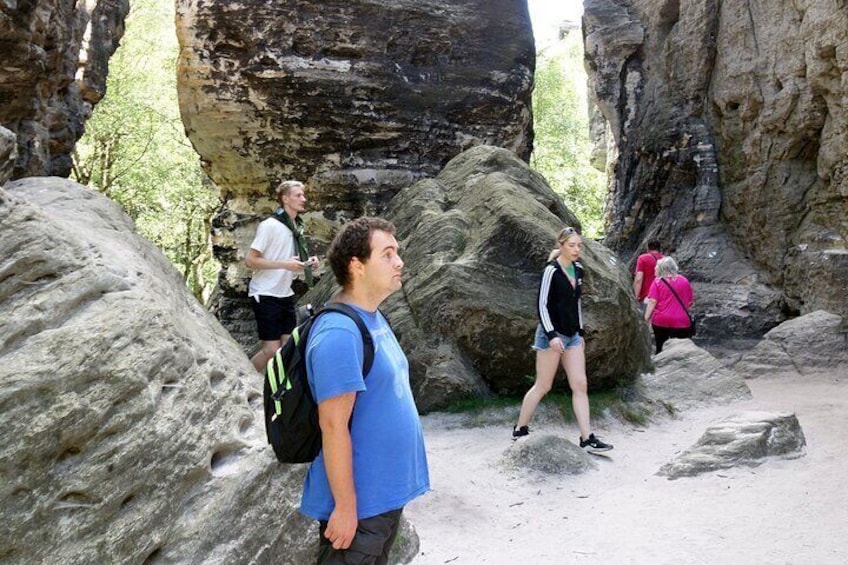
668,318
643,275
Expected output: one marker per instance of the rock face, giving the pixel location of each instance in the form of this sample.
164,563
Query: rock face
730,133
816,342
747,439
130,417
55,59
8,154
474,241
358,98
686,377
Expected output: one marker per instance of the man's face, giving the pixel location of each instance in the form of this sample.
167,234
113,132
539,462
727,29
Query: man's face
295,200
383,268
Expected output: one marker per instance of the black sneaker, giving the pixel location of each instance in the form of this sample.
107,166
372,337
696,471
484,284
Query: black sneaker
520,432
594,445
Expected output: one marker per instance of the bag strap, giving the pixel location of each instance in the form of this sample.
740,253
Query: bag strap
671,288
296,227
367,340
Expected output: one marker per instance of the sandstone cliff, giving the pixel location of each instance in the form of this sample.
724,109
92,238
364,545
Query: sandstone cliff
359,98
55,58
730,130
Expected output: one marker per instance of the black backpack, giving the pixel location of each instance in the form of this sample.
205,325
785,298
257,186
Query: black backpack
291,415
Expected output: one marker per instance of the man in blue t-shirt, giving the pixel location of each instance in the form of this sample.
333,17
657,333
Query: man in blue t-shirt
373,461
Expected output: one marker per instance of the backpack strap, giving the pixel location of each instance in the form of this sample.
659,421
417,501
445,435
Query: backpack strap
367,341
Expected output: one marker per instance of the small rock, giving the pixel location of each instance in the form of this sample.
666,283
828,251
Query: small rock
747,439
548,454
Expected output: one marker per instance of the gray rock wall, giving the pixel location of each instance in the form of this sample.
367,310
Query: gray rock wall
358,98
731,145
55,58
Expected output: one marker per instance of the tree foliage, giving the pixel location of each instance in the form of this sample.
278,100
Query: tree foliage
135,150
561,121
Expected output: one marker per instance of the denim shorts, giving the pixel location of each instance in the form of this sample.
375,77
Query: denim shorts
541,342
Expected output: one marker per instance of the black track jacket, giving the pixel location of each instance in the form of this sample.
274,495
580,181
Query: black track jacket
559,302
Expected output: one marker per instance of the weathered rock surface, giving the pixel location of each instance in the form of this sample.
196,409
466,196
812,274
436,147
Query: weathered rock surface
730,134
130,417
810,344
687,377
8,154
547,455
359,98
747,439
474,241
55,59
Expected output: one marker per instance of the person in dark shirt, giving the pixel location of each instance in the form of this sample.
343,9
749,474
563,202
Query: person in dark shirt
559,338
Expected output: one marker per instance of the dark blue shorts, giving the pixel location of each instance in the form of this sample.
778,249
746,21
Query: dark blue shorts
275,317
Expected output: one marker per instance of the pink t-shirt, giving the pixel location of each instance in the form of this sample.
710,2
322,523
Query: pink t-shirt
669,313
646,263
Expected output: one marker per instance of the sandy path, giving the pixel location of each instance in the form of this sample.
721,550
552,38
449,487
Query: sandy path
783,512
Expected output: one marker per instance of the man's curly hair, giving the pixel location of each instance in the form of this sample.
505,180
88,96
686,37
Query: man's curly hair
354,240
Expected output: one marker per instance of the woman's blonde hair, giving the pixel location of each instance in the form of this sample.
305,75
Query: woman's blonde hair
563,236
666,267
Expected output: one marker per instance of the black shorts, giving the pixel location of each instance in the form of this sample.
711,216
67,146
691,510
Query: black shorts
275,317
371,544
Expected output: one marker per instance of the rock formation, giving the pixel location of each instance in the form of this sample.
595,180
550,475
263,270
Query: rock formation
55,59
131,432
358,98
686,377
474,241
730,134
8,154
748,439
808,345
547,455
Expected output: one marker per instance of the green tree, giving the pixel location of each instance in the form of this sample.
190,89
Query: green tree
135,150
562,148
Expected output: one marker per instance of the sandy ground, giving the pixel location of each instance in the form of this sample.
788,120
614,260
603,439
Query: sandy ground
782,512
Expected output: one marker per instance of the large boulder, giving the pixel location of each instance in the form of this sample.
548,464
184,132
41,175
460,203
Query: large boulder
810,344
729,132
55,60
131,418
357,98
474,241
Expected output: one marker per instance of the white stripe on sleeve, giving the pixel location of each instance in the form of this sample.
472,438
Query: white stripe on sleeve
544,290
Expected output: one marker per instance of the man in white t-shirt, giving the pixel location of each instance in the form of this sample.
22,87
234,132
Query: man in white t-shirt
278,252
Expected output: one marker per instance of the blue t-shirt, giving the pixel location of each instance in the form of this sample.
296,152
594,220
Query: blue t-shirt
389,460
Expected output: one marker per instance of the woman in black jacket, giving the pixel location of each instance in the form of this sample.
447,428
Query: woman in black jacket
559,338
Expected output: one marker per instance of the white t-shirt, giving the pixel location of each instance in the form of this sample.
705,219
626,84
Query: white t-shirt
276,243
